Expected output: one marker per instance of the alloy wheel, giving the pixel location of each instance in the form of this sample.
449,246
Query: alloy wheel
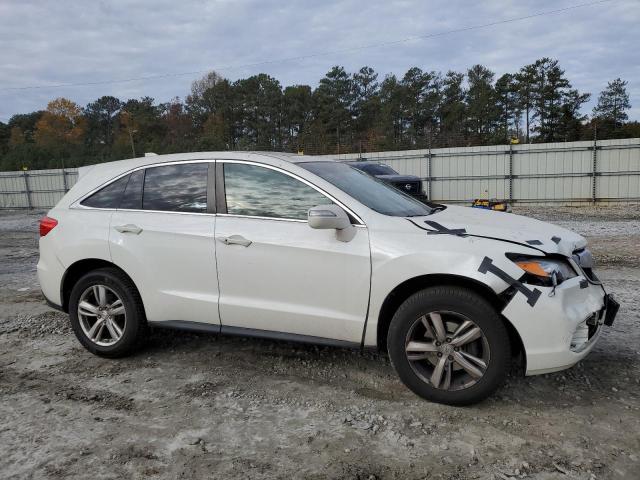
102,315
447,350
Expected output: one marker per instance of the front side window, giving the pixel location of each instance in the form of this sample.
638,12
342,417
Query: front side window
176,188
262,192
369,191
109,196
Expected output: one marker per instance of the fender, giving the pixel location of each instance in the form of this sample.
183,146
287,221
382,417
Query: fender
444,254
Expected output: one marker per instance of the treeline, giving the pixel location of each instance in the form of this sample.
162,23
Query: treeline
346,112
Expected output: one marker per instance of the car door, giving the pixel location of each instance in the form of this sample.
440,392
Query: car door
162,236
276,273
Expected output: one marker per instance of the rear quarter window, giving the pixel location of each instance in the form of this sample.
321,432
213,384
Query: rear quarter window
109,196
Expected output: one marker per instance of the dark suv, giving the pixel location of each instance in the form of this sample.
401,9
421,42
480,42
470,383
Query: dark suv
409,184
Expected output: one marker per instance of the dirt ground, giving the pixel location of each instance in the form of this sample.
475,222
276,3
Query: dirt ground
192,405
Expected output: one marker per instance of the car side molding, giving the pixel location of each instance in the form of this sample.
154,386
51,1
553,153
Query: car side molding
253,332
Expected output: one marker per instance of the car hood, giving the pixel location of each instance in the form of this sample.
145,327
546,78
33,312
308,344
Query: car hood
508,227
399,178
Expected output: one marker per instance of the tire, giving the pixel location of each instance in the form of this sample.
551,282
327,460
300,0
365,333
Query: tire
415,351
131,325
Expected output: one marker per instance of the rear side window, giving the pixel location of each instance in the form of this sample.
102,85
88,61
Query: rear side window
132,196
262,192
109,196
176,188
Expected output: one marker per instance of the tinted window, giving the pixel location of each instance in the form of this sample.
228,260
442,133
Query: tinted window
379,169
262,192
132,196
109,196
368,190
176,188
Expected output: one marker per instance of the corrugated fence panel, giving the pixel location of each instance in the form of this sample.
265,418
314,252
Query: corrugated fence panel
35,188
536,173
552,172
612,160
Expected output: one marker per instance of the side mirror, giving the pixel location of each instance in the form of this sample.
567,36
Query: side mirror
332,217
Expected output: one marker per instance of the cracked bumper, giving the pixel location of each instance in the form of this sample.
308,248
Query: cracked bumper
562,327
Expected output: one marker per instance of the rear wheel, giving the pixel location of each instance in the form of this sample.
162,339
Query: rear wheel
106,313
449,345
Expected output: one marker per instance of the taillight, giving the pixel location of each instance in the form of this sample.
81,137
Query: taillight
46,225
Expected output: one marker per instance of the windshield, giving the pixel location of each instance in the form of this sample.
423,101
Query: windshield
376,169
369,191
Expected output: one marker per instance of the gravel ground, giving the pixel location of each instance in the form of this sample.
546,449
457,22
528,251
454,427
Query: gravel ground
205,406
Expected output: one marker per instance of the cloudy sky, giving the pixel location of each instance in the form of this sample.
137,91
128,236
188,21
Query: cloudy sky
51,43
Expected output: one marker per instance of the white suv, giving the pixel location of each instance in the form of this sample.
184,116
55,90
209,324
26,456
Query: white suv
295,248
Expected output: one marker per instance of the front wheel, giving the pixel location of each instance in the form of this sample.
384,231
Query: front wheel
449,345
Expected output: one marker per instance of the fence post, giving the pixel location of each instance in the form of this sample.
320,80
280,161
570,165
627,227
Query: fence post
429,173
594,169
510,173
64,181
26,189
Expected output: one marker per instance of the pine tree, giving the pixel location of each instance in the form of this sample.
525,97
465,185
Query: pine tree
612,103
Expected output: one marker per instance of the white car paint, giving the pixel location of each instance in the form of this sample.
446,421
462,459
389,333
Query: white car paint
296,280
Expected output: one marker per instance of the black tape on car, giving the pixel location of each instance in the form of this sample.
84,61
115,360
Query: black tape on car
488,266
555,239
534,242
441,230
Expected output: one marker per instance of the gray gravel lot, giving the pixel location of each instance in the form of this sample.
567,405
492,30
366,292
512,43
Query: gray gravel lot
222,407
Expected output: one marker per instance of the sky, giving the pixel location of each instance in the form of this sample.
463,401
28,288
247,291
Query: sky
43,43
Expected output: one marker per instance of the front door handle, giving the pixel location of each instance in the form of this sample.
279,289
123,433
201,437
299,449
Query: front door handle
129,228
236,240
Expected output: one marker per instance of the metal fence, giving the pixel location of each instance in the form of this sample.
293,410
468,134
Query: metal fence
35,188
567,173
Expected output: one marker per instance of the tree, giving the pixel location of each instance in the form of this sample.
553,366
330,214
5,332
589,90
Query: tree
198,103
392,121
178,126
506,97
26,124
612,103
421,96
297,114
5,134
482,113
260,99
140,127
452,109
333,99
101,120
571,122
524,84
366,102
60,126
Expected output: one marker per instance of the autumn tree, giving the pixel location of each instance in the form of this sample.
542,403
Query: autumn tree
60,126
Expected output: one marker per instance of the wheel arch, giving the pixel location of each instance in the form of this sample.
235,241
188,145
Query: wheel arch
401,292
80,268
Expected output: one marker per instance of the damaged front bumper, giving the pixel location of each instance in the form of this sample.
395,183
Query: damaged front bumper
563,325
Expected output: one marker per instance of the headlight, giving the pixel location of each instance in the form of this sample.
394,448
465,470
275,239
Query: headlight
544,271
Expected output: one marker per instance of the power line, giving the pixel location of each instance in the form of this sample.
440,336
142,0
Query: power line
313,55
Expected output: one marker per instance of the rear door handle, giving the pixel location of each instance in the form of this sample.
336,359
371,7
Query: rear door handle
236,240
129,228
